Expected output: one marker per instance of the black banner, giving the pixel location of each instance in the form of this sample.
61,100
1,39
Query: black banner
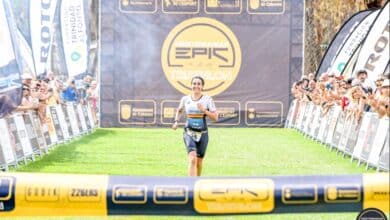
248,52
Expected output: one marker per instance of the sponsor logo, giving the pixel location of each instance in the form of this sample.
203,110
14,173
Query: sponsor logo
379,48
371,214
75,56
45,30
204,47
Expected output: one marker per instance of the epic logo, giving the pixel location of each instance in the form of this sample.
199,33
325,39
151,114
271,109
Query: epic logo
380,47
45,30
205,47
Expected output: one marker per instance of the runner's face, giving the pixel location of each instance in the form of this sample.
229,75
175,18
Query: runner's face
197,85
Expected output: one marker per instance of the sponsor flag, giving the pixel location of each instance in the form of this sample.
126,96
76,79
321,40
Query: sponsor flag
10,82
74,36
374,55
42,15
338,40
351,44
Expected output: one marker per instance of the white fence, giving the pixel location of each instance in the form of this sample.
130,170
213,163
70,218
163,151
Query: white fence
366,141
23,137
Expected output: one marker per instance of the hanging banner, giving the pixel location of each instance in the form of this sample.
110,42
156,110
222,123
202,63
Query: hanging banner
374,55
10,81
351,44
86,118
51,126
42,15
6,144
74,36
339,39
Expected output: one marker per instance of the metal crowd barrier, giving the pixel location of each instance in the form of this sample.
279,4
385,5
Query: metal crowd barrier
23,136
366,141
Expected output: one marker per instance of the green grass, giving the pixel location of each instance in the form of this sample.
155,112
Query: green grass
231,152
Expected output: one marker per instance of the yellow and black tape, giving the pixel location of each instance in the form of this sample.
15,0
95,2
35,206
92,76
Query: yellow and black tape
23,194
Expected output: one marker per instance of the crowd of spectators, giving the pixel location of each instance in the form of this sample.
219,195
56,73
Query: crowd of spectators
51,90
354,95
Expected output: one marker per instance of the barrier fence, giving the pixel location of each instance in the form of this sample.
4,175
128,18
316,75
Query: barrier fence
366,141
23,136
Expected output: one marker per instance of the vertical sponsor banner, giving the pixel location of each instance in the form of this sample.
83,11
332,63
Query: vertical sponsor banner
42,15
17,145
352,137
339,130
39,131
301,114
369,140
383,163
89,114
308,114
62,122
298,107
345,133
86,118
362,135
339,39
316,122
378,142
23,136
67,120
351,44
31,134
76,112
82,118
59,137
6,144
290,114
328,122
374,55
333,123
323,125
10,83
73,119
74,36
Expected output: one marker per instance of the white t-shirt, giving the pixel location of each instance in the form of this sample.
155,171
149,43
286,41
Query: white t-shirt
191,106
196,120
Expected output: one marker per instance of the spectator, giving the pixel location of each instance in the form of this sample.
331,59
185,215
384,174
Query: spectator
70,93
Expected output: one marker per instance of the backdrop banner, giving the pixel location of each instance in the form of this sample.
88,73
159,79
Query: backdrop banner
248,52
